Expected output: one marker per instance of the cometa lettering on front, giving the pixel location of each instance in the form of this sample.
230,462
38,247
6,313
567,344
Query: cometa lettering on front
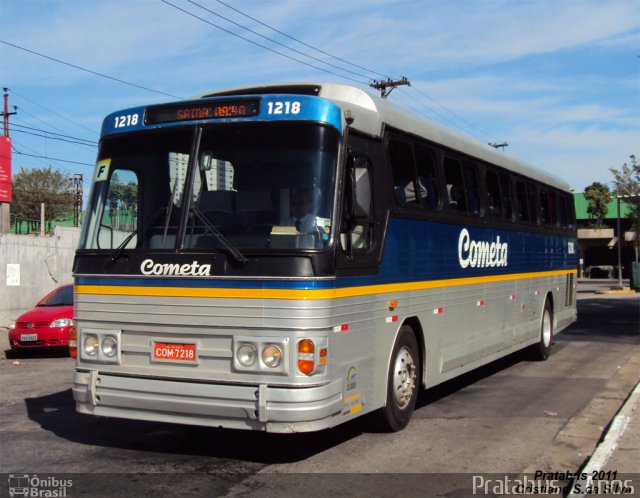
481,254
150,267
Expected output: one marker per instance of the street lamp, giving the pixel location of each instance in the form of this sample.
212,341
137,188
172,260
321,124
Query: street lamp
620,239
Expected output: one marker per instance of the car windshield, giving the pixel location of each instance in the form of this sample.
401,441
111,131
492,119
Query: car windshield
250,186
62,296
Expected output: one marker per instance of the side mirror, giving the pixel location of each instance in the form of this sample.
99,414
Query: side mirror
361,189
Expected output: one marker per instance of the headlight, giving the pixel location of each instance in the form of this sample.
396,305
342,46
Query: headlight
272,356
61,322
91,345
99,345
246,355
110,346
12,324
268,355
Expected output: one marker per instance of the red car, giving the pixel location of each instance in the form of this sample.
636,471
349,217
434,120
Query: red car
46,325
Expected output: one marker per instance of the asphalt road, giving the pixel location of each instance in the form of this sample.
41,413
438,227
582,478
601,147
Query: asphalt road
509,417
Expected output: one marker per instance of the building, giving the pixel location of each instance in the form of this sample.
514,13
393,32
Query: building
598,247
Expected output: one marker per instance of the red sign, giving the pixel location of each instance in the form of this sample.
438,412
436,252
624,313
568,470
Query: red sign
5,169
174,352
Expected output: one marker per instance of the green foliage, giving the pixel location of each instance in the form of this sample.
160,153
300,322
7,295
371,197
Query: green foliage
35,186
597,196
627,182
122,202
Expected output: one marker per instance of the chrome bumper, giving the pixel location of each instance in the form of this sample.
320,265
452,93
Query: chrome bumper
256,407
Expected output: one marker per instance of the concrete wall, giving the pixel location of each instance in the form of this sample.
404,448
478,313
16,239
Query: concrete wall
37,265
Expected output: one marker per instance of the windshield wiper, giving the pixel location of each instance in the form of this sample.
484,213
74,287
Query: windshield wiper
231,249
117,252
168,211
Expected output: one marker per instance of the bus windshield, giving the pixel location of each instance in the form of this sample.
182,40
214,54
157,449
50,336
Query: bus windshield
248,186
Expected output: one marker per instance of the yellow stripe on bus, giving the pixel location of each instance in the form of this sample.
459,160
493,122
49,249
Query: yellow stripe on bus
304,294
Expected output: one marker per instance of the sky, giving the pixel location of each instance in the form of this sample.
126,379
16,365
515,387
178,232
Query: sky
557,80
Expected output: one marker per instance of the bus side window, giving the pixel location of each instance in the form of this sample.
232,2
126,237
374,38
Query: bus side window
455,185
427,179
471,188
534,206
522,203
507,199
566,218
548,207
404,172
494,198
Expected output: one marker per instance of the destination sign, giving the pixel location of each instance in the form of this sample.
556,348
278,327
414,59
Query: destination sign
206,110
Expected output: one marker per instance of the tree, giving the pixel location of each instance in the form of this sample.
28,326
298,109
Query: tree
627,182
35,186
597,196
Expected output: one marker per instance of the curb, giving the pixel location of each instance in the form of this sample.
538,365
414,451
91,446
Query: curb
609,443
615,292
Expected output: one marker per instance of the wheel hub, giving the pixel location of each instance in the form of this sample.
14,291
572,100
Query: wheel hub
404,378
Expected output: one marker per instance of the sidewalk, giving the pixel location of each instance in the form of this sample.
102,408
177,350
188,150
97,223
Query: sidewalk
619,449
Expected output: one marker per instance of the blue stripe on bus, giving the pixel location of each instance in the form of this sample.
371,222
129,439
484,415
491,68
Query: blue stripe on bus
404,260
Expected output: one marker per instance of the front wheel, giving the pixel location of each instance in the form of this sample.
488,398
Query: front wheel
403,381
542,350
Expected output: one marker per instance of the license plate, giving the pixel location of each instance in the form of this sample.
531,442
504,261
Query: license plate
171,351
28,337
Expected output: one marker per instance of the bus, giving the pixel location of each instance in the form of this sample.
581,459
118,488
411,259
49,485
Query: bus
199,301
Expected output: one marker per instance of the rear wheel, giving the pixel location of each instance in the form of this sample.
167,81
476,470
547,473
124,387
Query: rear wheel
542,350
403,381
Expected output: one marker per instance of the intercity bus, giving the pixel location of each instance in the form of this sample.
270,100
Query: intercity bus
198,302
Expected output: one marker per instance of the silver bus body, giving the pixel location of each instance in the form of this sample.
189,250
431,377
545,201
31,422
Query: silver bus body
469,293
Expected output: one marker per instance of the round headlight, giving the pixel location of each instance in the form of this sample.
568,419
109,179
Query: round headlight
91,345
272,356
246,355
109,346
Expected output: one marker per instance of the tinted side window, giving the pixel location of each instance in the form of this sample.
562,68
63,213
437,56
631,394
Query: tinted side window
404,173
548,207
494,197
455,185
532,194
566,212
522,203
507,196
427,179
471,188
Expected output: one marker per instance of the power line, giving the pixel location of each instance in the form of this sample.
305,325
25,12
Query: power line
260,45
300,41
457,116
80,141
53,112
452,112
89,70
52,136
277,42
54,159
38,157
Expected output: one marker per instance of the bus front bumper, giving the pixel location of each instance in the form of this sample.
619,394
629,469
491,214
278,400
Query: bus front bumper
256,407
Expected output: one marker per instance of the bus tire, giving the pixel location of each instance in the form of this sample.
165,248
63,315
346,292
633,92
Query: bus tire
403,382
542,350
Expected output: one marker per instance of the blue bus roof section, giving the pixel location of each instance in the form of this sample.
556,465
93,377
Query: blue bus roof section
271,108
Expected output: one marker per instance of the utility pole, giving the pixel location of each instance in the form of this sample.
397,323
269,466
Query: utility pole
77,198
6,113
386,87
5,167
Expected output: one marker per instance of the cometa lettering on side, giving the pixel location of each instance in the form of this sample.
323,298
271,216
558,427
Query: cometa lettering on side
481,254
